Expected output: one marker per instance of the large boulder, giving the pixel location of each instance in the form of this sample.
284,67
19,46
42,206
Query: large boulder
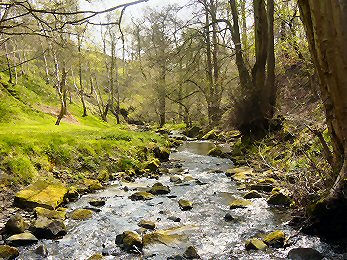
279,199
49,228
41,194
8,252
275,239
255,244
93,185
141,195
22,239
193,132
130,241
239,204
159,189
185,204
15,225
152,165
304,254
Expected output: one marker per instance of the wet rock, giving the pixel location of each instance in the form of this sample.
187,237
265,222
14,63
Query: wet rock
252,195
95,257
41,251
239,203
15,225
267,181
93,185
147,224
73,193
41,194
198,182
275,239
129,241
81,214
255,244
176,257
175,179
152,165
159,189
141,195
262,187
188,178
191,253
49,228
8,252
22,239
161,237
304,254
161,153
97,203
96,210
228,217
185,204
211,135
246,170
174,219
50,214
280,199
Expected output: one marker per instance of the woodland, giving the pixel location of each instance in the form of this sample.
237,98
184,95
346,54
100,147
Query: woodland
93,95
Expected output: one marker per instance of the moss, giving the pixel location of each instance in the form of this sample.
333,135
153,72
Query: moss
96,257
141,195
275,239
81,214
161,237
239,203
185,204
244,169
8,252
255,244
50,214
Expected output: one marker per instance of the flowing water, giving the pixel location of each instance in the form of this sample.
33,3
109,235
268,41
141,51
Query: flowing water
203,227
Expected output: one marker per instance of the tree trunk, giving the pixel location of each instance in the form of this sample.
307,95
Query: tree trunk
81,91
62,91
326,27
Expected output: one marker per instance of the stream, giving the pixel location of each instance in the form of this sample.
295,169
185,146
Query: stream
203,227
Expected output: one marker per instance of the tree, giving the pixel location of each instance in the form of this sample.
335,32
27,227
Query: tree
326,27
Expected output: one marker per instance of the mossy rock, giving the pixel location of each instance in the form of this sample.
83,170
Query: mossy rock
103,176
255,244
161,153
267,181
93,185
159,189
162,237
240,177
275,239
22,239
73,193
193,131
185,205
152,165
191,253
97,202
8,252
239,204
216,152
146,224
211,135
246,170
97,256
41,194
141,195
279,199
129,240
175,179
81,214
50,214
252,195
15,225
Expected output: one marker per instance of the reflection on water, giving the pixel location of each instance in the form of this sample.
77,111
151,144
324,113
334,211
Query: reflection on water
200,148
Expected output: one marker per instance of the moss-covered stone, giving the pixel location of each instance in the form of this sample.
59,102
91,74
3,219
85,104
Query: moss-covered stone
93,185
193,132
191,253
50,214
267,181
262,187
246,170
73,193
175,179
159,189
252,195
130,240
216,152
15,225
97,202
146,224
255,244
161,237
81,214
41,194
275,239
211,135
161,153
152,165
22,239
103,176
141,195
96,257
279,199
8,252
239,203
185,205
240,176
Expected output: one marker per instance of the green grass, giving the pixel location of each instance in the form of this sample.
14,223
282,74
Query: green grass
31,146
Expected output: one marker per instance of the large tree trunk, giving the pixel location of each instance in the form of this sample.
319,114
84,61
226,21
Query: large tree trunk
326,27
